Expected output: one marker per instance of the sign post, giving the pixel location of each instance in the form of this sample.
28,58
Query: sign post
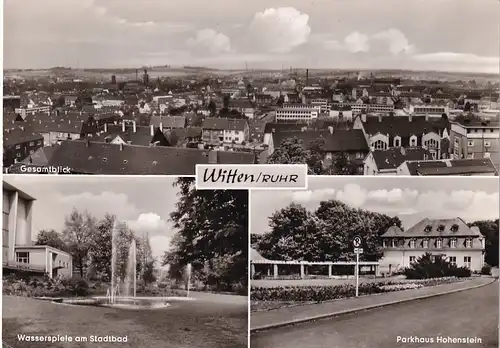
357,241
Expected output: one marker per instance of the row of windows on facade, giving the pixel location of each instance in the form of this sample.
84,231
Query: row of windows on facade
32,143
24,257
471,143
456,154
425,243
451,259
383,145
481,130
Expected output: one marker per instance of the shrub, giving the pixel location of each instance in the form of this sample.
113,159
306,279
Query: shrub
486,270
327,293
428,266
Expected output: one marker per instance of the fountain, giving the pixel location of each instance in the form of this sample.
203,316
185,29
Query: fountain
123,290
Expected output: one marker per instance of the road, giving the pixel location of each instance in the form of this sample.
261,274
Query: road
472,313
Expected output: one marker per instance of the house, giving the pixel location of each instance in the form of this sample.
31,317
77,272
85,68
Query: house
57,127
263,99
168,122
87,157
458,167
19,254
473,137
33,110
431,110
297,113
383,133
351,143
70,100
451,239
131,134
386,162
19,143
343,112
243,106
225,130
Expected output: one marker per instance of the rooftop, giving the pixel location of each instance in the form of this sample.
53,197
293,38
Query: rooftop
452,167
455,227
394,157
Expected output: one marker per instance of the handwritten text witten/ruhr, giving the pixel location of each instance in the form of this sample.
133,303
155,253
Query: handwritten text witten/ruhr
248,177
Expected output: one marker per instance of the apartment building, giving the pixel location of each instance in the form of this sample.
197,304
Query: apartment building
19,254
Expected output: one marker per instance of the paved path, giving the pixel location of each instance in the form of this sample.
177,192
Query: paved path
467,314
277,316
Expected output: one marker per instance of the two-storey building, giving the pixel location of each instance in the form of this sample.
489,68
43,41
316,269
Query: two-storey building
451,239
225,130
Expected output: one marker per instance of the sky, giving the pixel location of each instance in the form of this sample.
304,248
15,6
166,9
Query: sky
411,199
447,35
144,205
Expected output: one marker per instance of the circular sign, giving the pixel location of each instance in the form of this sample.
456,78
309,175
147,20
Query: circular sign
357,241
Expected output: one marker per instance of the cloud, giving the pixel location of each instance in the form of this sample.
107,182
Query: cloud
396,41
278,30
353,195
211,41
392,196
148,223
98,205
357,42
313,195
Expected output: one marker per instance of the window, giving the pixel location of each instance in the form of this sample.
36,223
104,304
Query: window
23,257
487,143
380,145
453,260
412,243
428,228
18,147
18,154
468,243
453,243
413,141
425,244
397,142
413,259
470,143
467,261
440,228
439,243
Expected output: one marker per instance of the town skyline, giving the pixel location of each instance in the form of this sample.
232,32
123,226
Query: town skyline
315,35
409,199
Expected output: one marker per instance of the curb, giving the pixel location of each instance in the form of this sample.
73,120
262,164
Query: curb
360,309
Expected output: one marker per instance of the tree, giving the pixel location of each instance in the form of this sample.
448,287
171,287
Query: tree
51,238
323,235
467,106
100,248
225,101
489,229
211,225
290,151
77,233
212,107
281,100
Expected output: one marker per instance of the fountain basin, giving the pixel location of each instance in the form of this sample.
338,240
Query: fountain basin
127,302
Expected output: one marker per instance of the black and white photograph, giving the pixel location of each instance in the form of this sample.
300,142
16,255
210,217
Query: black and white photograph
376,262
154,87
123,262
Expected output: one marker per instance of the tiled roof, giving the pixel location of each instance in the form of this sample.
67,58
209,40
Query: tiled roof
393,231
394,157
280,127
402,126
141,136
437,228
224,123
109,159
168,121
186,133
19,135
339,141
451,167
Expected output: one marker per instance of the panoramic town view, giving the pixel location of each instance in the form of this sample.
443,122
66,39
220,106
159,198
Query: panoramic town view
106,262
121,88
380,262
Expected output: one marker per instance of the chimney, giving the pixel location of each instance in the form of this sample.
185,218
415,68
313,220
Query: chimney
152,128
105,128
403,151
87,143
363,117
330,128
409,117
135,126
426,116
121,146
161,126
123,126
212,157
380,117
307,77
80,113
66,112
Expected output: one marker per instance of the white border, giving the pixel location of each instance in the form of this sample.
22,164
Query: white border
236,187
249,267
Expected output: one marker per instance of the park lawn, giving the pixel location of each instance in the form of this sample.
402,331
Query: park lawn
201,323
